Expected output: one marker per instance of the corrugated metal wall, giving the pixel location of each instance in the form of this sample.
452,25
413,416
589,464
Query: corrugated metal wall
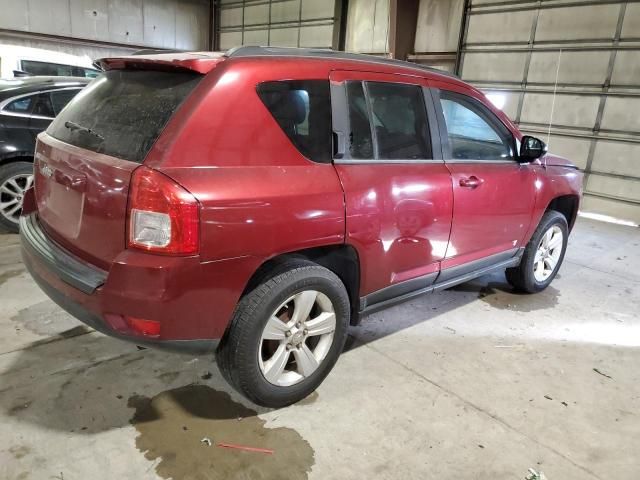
283,23
180,24
574,65
368,26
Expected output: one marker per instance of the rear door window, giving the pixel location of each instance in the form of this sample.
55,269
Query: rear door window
387,121
123,112
302,109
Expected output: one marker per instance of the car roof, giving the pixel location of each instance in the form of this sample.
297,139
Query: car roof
25,85
328,54
204,62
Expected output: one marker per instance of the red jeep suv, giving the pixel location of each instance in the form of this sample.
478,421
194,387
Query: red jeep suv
256,203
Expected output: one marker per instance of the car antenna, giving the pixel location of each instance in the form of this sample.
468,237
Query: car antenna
553,101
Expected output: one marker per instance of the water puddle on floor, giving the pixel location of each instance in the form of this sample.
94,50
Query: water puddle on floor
173,424
499,297
46,319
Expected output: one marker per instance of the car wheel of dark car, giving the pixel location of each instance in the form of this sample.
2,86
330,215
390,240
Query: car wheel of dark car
543,255
15,179
286,334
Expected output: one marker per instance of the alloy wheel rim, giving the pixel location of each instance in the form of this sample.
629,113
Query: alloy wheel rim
12,192
548,254
297,338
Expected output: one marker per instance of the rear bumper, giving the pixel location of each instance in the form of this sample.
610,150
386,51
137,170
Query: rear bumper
192,301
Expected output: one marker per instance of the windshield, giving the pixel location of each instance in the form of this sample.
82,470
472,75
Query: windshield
123,112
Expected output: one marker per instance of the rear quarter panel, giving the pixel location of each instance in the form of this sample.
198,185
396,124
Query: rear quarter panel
259,196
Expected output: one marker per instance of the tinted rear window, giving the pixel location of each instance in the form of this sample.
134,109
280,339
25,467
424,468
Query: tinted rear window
302,108
123,112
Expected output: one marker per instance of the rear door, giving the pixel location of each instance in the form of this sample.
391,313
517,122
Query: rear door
397,188
494,195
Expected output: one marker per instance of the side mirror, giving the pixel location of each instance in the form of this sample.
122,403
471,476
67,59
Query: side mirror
531,148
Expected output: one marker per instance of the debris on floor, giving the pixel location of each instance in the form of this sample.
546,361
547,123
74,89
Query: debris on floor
603,374
533,475
206,441
245,448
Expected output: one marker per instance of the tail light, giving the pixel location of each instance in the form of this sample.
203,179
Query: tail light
163,217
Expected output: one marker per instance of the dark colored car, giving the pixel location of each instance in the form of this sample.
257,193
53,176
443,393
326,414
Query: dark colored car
27,107
257,203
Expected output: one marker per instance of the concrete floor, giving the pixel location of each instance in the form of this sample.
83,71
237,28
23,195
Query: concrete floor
474,382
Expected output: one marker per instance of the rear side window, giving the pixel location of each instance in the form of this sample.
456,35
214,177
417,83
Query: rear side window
22,105
400,121
123,112
302,109
387,121
60,98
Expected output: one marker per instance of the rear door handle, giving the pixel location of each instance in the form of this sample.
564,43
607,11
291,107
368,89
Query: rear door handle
471,182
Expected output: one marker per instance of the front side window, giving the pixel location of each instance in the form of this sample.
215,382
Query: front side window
302,109
474,133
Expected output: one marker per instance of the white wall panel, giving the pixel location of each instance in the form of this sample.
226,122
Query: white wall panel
494,66
516,27
626,70
575,67
568,110
317,9
620,158
316,36
576,23
285,11
284,37
621,113
631,24
152,23
438,26
256,37
90,19
126,21
48,16
368,26
617,187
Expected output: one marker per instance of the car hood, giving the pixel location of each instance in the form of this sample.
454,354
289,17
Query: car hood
552,160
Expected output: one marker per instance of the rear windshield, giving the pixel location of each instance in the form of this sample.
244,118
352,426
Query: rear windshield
123,112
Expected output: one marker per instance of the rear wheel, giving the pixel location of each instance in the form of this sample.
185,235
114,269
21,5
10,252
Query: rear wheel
542,256
15,179
286,335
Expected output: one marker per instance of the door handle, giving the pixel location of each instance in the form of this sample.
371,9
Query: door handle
471,182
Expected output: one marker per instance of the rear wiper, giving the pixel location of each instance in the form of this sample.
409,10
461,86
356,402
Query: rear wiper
74,126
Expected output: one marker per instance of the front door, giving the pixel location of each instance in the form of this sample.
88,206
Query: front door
398,194
494,195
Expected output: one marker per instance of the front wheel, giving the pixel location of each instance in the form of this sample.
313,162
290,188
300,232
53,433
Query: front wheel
286,335
542,256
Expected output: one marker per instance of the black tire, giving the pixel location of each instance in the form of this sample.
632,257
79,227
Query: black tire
237,355
7,172
522,277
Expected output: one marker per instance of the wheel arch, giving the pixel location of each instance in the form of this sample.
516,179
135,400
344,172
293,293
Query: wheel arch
567,205
341,259
16,157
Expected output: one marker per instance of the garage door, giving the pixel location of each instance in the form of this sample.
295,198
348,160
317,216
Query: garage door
284,23
569,72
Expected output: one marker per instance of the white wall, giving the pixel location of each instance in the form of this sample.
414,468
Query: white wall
181,24
368,26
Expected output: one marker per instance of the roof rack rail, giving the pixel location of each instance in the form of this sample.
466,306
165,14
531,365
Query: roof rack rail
255,51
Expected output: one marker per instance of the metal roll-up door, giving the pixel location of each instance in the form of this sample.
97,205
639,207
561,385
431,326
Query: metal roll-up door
569,72
283,23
